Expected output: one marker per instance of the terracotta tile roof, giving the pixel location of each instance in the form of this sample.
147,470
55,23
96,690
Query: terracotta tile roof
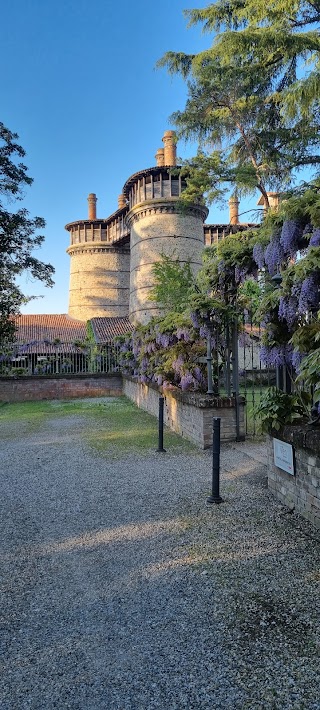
105,329
39,331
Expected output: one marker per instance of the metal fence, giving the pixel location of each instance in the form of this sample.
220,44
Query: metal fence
61,359
254,376
243,374
237,369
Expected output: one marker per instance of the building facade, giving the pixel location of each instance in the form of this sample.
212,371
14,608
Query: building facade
111,260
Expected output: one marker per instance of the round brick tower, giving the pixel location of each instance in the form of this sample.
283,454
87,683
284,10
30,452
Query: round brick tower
158,227
100,264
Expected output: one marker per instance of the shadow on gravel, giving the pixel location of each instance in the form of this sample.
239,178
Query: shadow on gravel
121,590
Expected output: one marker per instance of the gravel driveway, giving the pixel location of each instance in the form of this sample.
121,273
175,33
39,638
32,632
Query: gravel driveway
121,590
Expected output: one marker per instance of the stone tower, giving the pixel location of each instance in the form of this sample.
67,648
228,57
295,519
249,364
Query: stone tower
157,227
100,264
111,270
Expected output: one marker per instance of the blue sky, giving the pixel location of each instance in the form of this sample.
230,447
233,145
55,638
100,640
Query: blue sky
81,89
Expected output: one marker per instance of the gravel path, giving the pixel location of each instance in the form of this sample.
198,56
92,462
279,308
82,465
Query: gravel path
121,590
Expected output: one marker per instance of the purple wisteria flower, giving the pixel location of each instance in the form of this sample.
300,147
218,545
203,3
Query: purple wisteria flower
258,255
144,379
195,319
186,381
277,355
177,364
315,239
144,364
124,348
183,334
309,295
290,235
163,339
198,376
274,256
288,310
204,331
240,274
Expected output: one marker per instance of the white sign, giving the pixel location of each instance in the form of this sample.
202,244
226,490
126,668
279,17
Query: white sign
283,456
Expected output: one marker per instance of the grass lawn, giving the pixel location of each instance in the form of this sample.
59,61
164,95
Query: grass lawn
116,423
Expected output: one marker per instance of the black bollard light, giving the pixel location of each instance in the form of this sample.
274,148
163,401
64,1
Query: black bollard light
215,493
160,441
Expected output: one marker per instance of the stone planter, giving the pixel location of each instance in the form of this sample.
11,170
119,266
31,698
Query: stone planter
188,413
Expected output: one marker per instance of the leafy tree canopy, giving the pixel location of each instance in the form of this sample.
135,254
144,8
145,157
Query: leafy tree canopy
253,96
18,237
173,283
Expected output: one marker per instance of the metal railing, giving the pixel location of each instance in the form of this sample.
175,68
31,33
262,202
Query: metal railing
41,358
237,369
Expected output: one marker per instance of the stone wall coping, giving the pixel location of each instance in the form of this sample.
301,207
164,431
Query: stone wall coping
195,399
61,376
302,436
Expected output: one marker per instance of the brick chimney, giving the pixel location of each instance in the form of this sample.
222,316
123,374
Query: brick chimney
170,150
159,156
92,205
234,210
122,202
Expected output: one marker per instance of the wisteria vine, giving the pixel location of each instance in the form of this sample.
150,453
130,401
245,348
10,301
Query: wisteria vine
290,259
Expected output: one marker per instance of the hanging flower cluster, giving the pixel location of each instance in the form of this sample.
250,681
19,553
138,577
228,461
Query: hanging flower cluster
276,355
290,236
165,353
274,255
293,253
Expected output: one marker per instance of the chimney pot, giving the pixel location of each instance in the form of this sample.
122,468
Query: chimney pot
159,156
122,201
234,210
92,206
170,150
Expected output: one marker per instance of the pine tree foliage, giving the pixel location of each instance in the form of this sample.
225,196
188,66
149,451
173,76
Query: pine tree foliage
18,237
253,96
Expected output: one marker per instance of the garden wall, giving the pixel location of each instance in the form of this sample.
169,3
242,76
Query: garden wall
187,413
34,388
301,491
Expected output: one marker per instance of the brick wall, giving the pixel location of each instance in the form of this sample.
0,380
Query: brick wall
59,387
189,414
301,491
